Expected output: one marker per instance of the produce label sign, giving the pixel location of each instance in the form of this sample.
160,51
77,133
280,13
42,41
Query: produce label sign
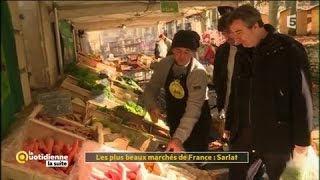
169,6
56,103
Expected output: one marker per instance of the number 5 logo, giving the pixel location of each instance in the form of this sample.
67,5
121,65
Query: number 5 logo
292,21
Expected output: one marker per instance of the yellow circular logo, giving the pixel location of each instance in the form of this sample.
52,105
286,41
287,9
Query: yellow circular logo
176,89
22,157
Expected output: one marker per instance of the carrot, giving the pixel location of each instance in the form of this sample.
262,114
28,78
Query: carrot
59,142
42,147
66,149
57,147
59,169
56,150
36,150
49,141
69,168
73,151
29,144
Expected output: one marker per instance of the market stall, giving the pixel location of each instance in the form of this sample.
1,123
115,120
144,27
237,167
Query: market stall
105,112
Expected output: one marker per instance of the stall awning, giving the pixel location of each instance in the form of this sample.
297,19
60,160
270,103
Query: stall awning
95,15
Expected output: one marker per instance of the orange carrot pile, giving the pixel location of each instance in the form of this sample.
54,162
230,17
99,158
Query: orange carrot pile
52,146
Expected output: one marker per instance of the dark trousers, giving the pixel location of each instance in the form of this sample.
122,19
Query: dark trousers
274,163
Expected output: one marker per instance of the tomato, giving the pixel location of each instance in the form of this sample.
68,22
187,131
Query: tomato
132,175
113,175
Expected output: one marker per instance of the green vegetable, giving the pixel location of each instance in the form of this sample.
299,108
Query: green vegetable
115,128
107,92
134,108
291,173
87,78
103,109
128,83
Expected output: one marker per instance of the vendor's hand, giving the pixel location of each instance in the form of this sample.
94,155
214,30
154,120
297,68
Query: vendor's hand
226,134
175,145
155,114
300,149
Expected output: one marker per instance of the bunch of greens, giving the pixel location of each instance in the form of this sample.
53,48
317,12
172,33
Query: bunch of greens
87,78
107,92
291,173
134,108
103,109
128,83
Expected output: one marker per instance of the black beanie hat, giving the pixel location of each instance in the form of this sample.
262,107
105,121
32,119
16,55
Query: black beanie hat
186,39
225,9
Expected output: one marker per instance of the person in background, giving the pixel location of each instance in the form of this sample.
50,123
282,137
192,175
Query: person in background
225,9
157,50
213,43
84,42
223,66
209,51
270,107
161,49
186,94
166,40
197,37
223,76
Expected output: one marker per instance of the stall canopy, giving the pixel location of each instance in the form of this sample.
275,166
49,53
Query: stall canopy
97,15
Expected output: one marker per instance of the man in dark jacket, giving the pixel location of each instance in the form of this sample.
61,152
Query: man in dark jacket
223,66
270,110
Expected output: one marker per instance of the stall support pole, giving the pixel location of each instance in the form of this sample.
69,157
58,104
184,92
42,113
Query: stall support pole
74,33
57,33
183,23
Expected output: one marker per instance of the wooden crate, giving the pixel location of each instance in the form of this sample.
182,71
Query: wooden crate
33,129
123,94
61,120
11,171
35,125
49,130
155,131
128,131
141,75
70,84
82,65
87,61
90,111
103,116
80,109
128,116
106,103
104,67
150,127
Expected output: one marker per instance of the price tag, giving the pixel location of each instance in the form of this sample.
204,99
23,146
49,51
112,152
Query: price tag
57,103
